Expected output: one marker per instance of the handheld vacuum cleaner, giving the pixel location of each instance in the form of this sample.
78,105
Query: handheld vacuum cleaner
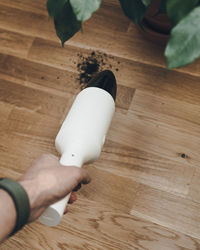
83,132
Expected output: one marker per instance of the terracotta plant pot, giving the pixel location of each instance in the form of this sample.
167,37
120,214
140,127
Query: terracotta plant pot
156,26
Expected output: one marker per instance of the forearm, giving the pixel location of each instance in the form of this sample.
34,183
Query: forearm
7,215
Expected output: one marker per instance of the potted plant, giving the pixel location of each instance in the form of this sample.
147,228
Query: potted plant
181,23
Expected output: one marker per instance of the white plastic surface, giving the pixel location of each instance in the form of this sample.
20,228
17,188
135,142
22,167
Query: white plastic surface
81,138
53,214
84,130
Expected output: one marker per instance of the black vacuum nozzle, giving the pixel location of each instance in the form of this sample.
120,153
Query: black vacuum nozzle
105,80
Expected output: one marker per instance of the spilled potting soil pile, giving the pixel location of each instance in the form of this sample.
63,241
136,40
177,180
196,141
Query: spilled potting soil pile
89,65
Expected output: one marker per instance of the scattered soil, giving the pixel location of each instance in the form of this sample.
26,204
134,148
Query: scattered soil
91,64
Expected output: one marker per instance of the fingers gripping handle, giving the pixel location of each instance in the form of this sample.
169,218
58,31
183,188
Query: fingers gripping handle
53,214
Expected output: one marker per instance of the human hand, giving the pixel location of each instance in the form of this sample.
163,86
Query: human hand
46,181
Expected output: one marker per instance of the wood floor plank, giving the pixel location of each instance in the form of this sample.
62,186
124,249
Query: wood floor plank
152,136
43,26
131,74
40,74
146,168
124,97
194,193
31,99
49,78
22,22
115,28
117,230
178,113
144,192
167,210
14,43
5,110
156,81
62,58
36,6
28,123
105,186
90,37
19,150
164,208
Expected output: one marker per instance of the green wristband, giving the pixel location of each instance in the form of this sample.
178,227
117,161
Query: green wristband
21,200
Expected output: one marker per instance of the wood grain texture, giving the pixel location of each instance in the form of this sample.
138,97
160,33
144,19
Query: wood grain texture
14,43
145,186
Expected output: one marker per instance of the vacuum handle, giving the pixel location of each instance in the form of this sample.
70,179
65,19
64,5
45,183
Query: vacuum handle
53,214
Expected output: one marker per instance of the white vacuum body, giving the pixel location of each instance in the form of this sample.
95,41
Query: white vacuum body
83,132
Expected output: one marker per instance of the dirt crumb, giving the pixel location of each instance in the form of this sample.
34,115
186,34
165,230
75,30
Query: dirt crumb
90,65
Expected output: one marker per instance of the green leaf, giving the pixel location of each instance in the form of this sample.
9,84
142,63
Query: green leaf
55,6
184,44
66,23
178,9
83,9
147,2
134,9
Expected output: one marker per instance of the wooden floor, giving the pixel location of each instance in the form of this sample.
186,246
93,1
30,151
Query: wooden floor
145,188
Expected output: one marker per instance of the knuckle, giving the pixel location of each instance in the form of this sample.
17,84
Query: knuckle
47,157
78,174
44,156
